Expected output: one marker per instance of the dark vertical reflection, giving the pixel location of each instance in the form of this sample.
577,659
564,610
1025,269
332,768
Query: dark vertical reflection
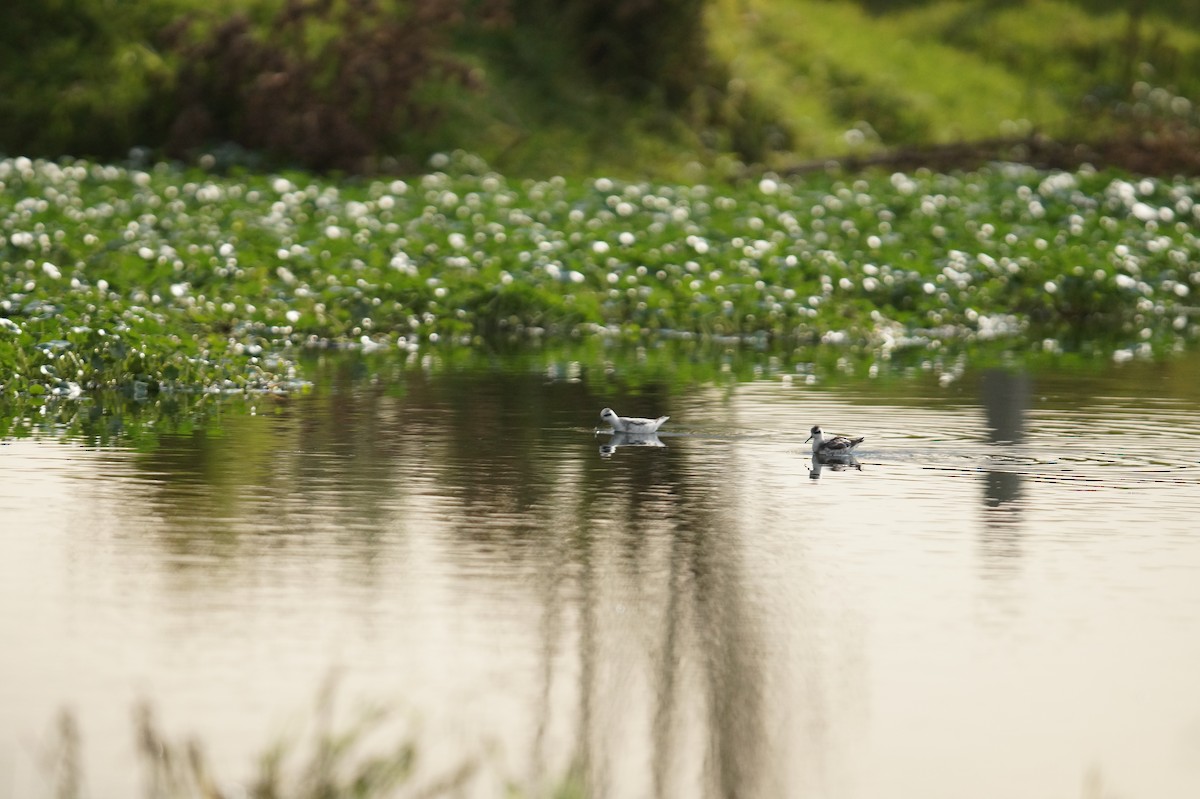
1005,397
666,671
734,667
700,653
1005,401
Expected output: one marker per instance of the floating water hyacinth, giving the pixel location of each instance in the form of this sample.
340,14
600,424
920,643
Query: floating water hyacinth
183,279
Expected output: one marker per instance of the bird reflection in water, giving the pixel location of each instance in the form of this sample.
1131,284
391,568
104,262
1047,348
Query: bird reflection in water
608,449
836,463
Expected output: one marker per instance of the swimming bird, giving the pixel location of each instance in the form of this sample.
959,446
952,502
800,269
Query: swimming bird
831,447
631,424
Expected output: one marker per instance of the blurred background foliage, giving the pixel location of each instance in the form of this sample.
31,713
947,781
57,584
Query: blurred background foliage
579,86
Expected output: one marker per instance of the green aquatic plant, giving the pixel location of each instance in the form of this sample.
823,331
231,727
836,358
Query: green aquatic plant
167,280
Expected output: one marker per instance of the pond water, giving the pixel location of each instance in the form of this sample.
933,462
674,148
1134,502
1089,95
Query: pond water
1000,599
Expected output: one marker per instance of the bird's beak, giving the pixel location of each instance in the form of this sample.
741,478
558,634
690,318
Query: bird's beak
808,439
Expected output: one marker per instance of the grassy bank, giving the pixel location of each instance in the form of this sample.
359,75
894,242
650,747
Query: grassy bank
842,77
381,85
160,280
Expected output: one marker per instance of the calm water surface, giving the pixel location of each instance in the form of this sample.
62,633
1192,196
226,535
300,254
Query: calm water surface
1002,601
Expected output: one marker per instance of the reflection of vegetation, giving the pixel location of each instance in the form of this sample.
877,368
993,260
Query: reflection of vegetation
635,566
527,492
349,384
110,418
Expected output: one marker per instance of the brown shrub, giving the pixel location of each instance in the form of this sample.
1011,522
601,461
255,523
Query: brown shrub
330,84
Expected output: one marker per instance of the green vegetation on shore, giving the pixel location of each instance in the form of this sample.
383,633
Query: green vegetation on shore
842,78
616,87
159,280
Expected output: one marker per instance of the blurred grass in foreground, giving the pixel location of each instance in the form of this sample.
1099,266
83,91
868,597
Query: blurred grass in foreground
365,758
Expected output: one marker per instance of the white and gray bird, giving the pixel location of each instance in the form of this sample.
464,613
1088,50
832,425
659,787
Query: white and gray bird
837,445
631,424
